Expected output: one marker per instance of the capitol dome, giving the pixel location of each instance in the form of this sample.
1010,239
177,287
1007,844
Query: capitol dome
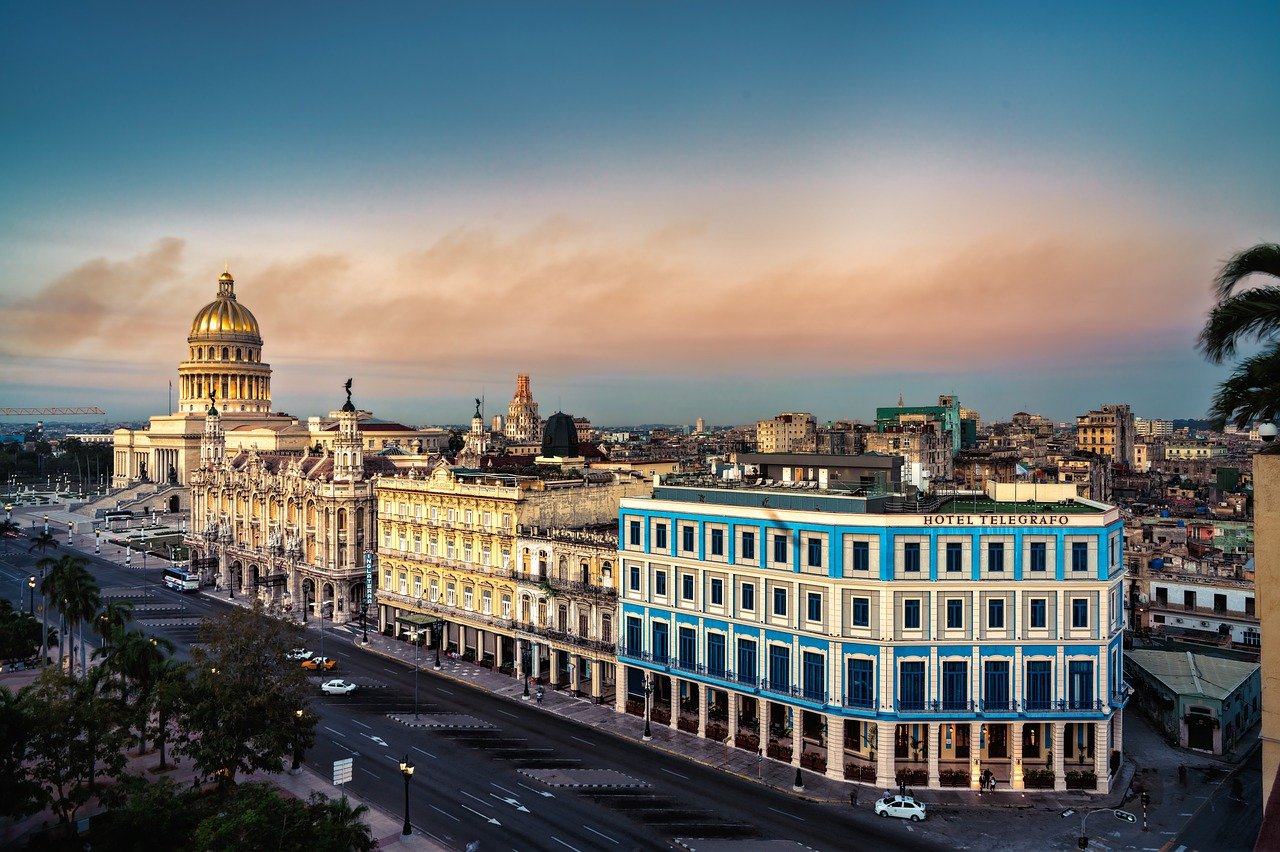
225,317
224,359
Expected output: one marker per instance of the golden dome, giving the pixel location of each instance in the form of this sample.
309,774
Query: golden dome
225,316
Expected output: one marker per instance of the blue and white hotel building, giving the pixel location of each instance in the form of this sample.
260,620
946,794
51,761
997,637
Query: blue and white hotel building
875,638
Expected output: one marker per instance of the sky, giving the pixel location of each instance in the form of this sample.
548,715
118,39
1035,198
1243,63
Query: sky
659,211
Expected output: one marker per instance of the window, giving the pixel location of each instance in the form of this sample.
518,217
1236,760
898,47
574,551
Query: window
748,596
450,595
486,602
660,536
995,685
634,632
506,607
860,683
660,583
1079,556
717,592
815,676
815,606
435,591
955,685
1079,612
911,557
686,538
995,614
815,553
634,574
1039,684
911,614
686,586
779,601
955,614
1039,613
660,648
861,615
1039,560
1080,684
860,557
780,668
468,597
911,685
404,583
995,557
688,648
717,542
747,664
715,654
955,557
749,546
780,548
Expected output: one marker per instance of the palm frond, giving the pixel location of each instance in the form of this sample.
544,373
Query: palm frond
1263,258
1254,314
1250,393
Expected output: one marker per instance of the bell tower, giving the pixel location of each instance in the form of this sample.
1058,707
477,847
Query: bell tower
213,443
348,449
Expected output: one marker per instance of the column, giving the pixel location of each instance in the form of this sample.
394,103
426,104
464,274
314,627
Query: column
702,709
1059,762
797,735
1117,731
1016,778
1101,755
620,688
521,647
835,747
536,657
732,704
597,678
884,756
935,743
497,652
675,702
975,755
575,678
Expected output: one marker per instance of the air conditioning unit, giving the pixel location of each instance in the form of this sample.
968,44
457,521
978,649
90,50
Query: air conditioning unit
1178,620
1204,624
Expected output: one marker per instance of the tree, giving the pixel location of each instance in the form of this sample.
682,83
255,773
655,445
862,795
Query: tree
19,794
241,711
111,623
137,660
257,817
1252,391
170,693
19,633
42,541
71,589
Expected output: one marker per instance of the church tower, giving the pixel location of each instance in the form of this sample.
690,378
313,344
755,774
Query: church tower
348,448
213,443
523,424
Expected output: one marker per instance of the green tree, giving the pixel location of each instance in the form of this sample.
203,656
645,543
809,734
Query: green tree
169,695
111,623
72,590
42,541
1252,391
136,660
19,794
257,817
19,633
242,706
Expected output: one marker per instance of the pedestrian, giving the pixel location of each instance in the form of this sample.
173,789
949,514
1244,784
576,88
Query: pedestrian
1182,774
539,695
993,782
888,797
853,797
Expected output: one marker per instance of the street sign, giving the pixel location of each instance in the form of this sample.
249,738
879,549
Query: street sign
1125,815
368,577
342,770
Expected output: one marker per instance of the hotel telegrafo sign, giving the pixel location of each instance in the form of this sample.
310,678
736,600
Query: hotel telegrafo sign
995,520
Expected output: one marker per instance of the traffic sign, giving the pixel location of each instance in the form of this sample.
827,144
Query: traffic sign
342,770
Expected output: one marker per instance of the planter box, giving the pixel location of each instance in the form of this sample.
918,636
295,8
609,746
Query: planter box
684,723
750,742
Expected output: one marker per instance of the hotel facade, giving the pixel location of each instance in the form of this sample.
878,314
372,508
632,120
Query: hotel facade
859,634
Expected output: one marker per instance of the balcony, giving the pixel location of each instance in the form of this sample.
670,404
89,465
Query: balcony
999,706
860,702
1207,611
567,638
448,612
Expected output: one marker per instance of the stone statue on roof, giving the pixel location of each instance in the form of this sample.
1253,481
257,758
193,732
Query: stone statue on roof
477,414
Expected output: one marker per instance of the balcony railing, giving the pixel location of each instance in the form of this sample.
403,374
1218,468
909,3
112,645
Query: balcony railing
920,706
861,702
1212,612
567,638
999,706
450,612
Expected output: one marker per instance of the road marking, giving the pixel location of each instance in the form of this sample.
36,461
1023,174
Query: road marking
379,740
477,798
669,772
605,836
566,845
488,819
363,725
446,813
1186,814
339,733
784,813
542,793
515,803
427,753
505,713
391,671
503,789
588,742
370,772
446,691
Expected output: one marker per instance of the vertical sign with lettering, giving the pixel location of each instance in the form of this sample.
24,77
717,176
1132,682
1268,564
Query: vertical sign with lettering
368,577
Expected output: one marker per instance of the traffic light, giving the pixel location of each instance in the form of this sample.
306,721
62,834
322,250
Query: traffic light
1083,842
1146,798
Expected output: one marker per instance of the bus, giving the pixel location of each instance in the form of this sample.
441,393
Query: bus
181,579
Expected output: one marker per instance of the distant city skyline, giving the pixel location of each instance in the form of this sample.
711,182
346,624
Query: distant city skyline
659,212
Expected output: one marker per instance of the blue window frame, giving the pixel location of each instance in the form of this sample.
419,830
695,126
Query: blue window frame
749,596
955,685
686,538
635,636
688,647
1039,556
861,614
661,647
911,614
715,654
660,583
780,668
860,683
686,586
749,546
1079,556
995,684
717,542
660,536
815,677
1039,689
633,533
860,556
995,614
717,592
814,548
955,613
911,685
1039,613
995,557
1080,684
1079,612
780,547
779,601
815,606
911,556
748,666
955,557
635,578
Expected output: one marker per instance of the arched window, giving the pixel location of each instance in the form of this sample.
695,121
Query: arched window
224,353
237,353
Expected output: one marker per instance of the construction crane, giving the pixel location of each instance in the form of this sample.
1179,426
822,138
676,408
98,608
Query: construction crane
50,412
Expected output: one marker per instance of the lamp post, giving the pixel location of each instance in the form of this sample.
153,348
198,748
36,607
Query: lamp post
46,524
417,650
406,769
437,628
70,527
97,541
31,596
648,690
297,742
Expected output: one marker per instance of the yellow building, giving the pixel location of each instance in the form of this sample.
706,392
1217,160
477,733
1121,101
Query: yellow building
1108,431
1266,476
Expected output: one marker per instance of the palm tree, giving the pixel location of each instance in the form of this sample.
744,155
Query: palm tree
83,598
1252,392
137,659
172,683
42,541
111,622
55,586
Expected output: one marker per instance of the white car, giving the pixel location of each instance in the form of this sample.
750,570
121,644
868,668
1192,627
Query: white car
337,687
904,807
298,654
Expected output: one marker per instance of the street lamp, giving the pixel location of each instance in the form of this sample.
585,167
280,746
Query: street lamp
97,540
31,599
648,690
417,650
437,628
70,527
297,741
406,769
46,524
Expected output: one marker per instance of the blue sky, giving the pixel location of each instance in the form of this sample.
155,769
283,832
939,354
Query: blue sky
660,211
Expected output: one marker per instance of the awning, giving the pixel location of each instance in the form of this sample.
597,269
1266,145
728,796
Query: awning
416,619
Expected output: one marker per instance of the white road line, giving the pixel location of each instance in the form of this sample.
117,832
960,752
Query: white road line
1186,814
784,813
605,836
370,772
339,733
588,742
503,789
505,713
427,753
392,671
446,813
469,796
445,691
668,771
362,724
566,845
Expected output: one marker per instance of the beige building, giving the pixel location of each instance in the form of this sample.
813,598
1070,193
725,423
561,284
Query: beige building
1266,473
1108,432
523,425
789,432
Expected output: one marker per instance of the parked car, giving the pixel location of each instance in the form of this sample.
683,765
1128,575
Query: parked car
318,663
337,687
298,654
904,807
